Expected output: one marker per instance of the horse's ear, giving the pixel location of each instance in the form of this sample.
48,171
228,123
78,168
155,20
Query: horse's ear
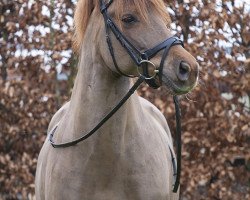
83,11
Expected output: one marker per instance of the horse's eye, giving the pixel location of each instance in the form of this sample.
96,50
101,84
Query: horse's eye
128,19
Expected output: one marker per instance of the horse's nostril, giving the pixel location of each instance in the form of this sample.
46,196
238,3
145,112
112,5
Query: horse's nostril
183,71
184,68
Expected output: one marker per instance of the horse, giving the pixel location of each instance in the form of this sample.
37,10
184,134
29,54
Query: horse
129,156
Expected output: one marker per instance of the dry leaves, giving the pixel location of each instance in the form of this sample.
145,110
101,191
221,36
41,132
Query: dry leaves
216,130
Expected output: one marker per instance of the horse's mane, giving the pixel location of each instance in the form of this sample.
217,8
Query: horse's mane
84,9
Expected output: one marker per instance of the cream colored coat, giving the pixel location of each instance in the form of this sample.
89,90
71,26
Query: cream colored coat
129,157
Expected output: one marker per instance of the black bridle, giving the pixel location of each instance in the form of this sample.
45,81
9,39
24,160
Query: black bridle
141,59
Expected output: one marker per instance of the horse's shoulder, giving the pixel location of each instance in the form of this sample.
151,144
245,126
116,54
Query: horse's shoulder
58,116
153,111
150,107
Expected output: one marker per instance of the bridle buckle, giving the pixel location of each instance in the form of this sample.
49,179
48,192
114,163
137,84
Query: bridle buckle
150,72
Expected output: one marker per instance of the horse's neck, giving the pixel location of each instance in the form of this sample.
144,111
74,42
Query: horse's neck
95,93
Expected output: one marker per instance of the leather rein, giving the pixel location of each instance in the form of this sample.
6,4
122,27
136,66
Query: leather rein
142,60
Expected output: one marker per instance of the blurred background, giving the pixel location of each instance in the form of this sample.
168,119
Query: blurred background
37,70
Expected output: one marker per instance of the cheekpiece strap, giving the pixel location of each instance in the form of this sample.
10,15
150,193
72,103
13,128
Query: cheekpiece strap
104,6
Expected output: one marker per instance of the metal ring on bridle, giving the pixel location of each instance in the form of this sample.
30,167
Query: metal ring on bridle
156,71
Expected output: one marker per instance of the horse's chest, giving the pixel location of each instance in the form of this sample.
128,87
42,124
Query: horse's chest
139,168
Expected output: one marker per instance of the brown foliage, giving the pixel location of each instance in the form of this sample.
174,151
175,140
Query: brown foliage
36,58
